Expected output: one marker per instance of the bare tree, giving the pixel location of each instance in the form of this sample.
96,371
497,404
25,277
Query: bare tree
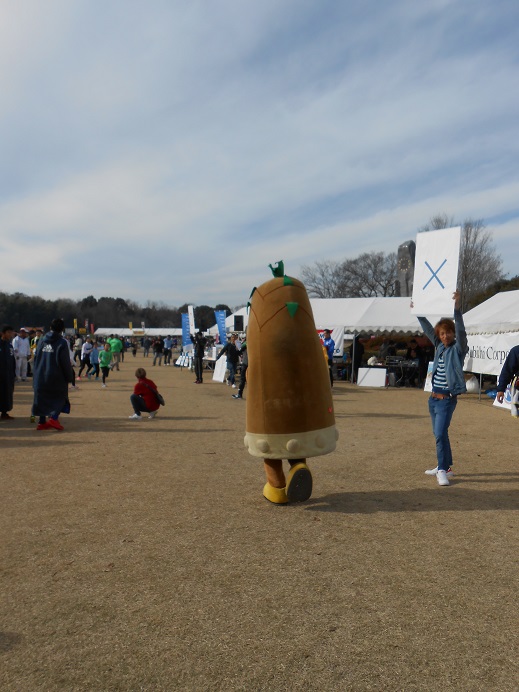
368,275
322,279
480,266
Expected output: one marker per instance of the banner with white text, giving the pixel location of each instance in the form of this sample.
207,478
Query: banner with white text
488,352
186,339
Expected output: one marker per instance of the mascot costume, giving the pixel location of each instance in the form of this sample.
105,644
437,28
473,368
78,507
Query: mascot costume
289,400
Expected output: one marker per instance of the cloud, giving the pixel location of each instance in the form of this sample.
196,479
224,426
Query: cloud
171,152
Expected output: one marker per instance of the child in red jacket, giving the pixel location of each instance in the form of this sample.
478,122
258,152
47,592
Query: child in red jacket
144,398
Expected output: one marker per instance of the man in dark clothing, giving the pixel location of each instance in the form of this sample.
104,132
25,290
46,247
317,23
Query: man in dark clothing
416,373
7,371
52,374
243,370
356,351
158,350
233,356
199,344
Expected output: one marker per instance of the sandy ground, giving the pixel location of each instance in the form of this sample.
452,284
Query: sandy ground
142,556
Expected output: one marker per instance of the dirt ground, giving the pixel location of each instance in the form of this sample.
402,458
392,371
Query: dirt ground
142,556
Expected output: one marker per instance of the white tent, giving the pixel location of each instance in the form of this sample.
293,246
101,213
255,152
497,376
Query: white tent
148,331
356,315
367,315
492,330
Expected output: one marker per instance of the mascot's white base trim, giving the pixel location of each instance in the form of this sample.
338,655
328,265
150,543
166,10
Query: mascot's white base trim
294,446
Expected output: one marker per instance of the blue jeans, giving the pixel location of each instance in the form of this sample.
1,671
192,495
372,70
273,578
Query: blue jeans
441,411
231,367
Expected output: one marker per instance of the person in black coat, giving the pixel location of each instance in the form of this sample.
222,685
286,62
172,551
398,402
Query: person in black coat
233,355
7,371
356,351
199,344
52,375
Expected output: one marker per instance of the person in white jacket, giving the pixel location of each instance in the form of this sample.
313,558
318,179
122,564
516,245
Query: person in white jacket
22,353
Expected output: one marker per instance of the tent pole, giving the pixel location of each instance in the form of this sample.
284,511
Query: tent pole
352,358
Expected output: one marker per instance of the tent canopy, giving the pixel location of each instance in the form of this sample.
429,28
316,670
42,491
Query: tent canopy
148,331
357,316
497,315
367,315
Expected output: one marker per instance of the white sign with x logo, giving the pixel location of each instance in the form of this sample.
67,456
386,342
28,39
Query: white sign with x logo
436,271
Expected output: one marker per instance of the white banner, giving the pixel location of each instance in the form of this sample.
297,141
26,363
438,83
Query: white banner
436,271
488,352
220,368
191,317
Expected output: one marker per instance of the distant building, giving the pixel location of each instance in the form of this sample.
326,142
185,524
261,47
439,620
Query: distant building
405,268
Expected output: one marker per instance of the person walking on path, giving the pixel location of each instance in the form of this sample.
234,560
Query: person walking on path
329,345
233,355
94,361
450,348
158,350
105,360
22,354
144,399
86,350
168,344
244,355
53,373
116,346
7,371
78,345
199,344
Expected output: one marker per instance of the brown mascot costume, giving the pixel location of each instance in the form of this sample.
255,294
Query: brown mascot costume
289,400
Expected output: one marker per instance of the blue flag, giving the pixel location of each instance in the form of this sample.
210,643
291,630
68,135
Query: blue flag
186,338
220,321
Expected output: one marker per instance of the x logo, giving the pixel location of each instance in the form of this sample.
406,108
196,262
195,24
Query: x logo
434,274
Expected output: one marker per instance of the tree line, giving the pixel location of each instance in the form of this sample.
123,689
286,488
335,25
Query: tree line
374,274
20,310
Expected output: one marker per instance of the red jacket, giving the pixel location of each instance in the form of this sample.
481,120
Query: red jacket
149,397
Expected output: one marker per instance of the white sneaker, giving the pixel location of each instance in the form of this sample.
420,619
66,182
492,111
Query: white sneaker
442,478
233,386
152,414
434,471
135,416
103,385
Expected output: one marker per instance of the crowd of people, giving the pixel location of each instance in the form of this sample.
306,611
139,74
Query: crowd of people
51,359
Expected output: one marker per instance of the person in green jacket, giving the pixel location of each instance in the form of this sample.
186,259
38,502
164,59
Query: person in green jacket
116,346
105,359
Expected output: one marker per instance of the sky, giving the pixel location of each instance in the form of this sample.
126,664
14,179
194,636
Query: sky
168,151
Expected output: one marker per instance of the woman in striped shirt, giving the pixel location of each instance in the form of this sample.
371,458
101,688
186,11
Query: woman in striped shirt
450,348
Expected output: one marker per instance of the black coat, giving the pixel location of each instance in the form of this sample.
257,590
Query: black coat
230,352
52,373
199,344
7,375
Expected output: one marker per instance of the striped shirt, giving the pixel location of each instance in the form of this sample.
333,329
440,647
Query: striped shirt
439,381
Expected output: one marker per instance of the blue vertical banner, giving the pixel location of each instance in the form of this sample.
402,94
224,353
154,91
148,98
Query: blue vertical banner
220,322
186,338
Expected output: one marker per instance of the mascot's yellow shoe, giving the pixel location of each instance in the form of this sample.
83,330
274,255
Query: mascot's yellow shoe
299,483
276,495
